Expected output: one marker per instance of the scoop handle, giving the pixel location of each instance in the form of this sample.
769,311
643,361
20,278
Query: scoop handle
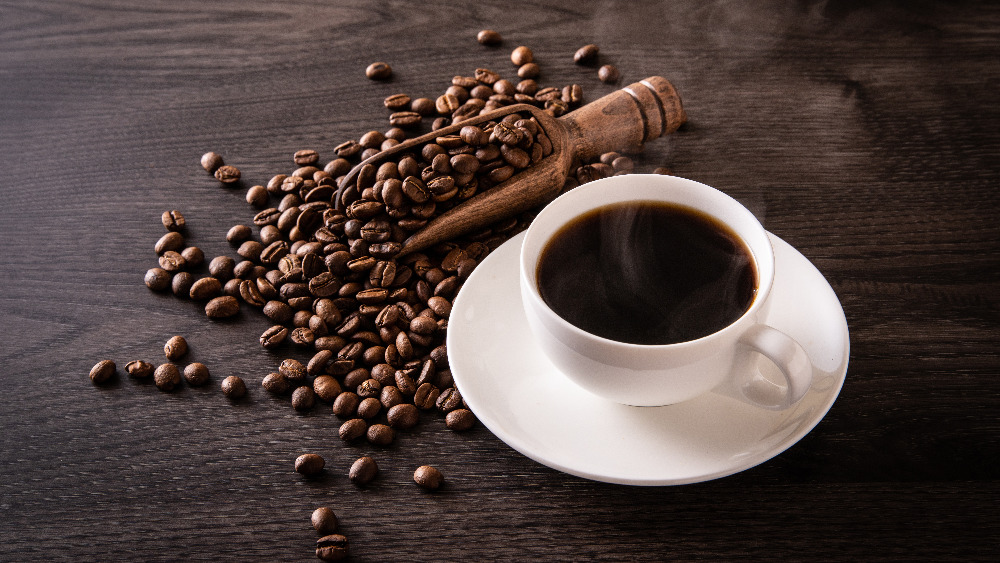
624,120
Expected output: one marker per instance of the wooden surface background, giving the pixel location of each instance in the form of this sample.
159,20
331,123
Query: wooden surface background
867,134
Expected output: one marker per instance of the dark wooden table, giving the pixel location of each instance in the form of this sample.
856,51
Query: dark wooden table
868,136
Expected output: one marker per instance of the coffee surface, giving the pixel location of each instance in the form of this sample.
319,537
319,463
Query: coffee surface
647,272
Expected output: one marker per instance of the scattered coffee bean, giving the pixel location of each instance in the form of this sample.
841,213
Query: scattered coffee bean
305,157
102,371
170,241
233,387
363,470
197,374
205,288
238,234
276,383
529,70
221,267
489,37
173,220
428,477
460,419
353,429
608,74
303,398
166,377
175,348
211,162
157,279
273,337
326,388
227,174
181,284
521,55
333,547
397,102
586,55
369,408
257,196
139,369
381,434
309,465
345,405
222,307
378,71
324,520
193,256
403,416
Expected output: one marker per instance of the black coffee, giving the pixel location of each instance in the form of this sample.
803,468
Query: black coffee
647,272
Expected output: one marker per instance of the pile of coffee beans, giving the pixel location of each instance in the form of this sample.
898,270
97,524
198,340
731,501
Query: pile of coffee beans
321,260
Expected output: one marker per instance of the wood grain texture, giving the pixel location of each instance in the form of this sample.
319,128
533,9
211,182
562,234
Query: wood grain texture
865,134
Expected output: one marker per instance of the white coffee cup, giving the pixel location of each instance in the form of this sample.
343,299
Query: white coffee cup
654,375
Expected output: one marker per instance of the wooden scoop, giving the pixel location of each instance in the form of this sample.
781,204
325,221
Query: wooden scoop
620,121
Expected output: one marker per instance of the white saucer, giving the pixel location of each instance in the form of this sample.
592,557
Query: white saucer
525,401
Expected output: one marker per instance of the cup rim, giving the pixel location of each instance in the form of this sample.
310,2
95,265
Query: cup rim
528,275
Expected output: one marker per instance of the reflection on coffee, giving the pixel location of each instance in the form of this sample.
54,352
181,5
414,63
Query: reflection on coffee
647,272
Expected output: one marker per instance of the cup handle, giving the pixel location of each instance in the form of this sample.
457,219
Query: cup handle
787,355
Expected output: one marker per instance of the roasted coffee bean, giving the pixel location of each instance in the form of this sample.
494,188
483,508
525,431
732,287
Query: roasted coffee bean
353,429
234,387
324,520
278,311
175,348
309,465
221,267
369,408
222,307
521,55
369,388
172,261
276,383
257,196
181,284
488,37
250,293
170,241
333,547
403,416
405,119
426,396
449,400
381,434
363,471
608,74
572,94
293,370
378,71
305,157
102,371
397,102
586,55
173,220
302,336
138,369
211,161
157,279
460,419
193,256
345,405
232,287
529,71
390,397
486,76
227,174
428,477
196,374
166,376
326,388
303,398
273,337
